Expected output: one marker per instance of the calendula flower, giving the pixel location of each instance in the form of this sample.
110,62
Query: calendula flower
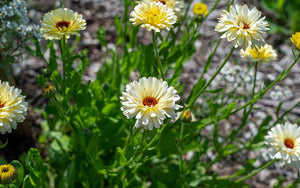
153,16
263,54
242,26
150,101
200,9
284,141
176,5
61,22
296,40
12,107
8,174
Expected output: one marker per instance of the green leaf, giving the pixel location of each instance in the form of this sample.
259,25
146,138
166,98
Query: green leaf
101,36
120,157
4,145
20,174
36,168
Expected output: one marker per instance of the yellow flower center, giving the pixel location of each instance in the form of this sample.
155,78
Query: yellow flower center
186,114
62,25
150,101
289,143
153,16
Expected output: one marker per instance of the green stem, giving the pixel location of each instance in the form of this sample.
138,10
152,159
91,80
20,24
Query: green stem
261,94
214,76
209,59
63,54
157,55
256,171
254,81
181,161
183,19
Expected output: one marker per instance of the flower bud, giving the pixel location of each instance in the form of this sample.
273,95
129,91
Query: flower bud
8,174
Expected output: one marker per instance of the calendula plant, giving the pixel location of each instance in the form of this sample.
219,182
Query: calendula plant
151,132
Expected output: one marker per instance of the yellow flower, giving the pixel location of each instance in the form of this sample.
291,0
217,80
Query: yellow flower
150,101
8,174
284,141
296,39
153,16
176,5
242,26
263,54
60,22
200,9
12,107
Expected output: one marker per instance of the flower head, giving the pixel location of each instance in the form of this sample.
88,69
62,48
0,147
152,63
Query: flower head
284,141
176,5
296,40
150,101
263,54
12,107
8,174
243,26
61,22
153,16
200,9
48,90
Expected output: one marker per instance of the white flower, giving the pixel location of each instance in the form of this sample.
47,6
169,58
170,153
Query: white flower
284,140
12,107
243,26
150,101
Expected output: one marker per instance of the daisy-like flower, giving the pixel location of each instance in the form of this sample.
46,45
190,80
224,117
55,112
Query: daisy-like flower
296,40
284,141
153,16
176,5
200,9
8,174
243,26
263,54
13,107
150,101
61,22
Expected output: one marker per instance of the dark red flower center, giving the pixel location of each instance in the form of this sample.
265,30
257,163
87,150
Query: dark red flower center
150,101
246,26
289,143
63,24
1,105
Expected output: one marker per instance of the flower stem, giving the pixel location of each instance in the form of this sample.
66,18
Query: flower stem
63,56
213,77
180,148
254,81
157,55
256,171
261,94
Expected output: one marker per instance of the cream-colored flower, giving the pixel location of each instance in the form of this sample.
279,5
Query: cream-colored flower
242,26
150,101
61,22
200,9
13,107
176,5
296,40
263,54
284,141
153,16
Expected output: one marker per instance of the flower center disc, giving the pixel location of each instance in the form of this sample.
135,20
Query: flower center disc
1,105
149,101
162,1
246,26
289,143
62,24
4,170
